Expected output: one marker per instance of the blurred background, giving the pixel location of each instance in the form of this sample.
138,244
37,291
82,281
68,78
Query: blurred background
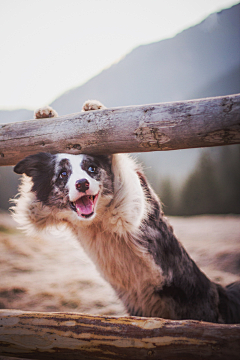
121,52
128,53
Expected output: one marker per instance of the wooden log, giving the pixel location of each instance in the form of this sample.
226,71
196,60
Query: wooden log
74,336
166,126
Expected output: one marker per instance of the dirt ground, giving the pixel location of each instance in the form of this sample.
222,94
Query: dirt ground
52,273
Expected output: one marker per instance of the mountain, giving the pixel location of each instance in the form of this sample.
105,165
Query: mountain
168,70
8,116
226,84
201,61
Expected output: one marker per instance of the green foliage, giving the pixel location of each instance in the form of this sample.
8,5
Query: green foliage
228,170
212,188
169,196
200,193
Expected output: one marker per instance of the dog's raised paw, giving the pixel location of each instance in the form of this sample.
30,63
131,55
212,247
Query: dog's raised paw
92,105
45,112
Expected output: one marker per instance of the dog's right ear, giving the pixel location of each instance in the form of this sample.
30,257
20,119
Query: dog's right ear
33,164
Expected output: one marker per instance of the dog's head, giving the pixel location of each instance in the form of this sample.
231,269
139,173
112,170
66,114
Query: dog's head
78,183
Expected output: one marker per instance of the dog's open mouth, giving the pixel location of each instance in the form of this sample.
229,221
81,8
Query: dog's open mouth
85,205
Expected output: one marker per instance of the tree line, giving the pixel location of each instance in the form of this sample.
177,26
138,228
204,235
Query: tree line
213,187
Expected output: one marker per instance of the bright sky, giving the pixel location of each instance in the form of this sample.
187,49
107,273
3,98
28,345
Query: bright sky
51,46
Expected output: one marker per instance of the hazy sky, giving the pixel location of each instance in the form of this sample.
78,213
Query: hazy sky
51,46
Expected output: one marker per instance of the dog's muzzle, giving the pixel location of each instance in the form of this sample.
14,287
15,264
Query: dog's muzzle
84,206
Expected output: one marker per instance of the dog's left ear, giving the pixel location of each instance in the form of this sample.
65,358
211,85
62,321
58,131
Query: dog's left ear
34,164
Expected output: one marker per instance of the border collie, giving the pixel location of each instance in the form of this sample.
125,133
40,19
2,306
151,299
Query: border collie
110,207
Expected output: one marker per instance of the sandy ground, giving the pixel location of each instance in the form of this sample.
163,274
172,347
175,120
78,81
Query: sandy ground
52,273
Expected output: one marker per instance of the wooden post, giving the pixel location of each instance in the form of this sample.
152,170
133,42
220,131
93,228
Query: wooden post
74,336
166,126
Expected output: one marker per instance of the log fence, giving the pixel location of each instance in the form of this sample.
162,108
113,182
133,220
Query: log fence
80,336
165,126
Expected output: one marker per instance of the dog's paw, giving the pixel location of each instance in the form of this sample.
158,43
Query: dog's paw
92,105
45,112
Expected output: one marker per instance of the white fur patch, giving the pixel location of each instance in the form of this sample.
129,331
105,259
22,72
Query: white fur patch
77,174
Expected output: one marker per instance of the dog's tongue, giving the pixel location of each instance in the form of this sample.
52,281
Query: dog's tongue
84,205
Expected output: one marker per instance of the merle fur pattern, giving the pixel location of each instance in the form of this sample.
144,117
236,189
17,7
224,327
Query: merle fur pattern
128,236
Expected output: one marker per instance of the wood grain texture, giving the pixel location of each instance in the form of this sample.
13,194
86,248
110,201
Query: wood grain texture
165,126
38,335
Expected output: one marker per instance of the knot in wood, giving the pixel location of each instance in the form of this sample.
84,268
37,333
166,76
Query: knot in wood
224,136
150,136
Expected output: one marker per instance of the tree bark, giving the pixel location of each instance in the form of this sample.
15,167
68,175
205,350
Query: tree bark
74,336
165,126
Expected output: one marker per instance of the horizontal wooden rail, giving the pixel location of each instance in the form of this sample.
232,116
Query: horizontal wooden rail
165,126
74,336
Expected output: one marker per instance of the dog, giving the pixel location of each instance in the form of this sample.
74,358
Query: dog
110,207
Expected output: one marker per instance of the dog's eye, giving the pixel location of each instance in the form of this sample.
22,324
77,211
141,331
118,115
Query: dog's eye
63,175
92,169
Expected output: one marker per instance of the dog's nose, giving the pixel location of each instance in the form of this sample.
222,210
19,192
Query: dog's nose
82,185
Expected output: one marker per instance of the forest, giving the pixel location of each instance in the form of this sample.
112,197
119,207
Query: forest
213,187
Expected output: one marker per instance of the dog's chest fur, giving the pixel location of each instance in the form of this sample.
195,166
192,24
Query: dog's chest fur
131,271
